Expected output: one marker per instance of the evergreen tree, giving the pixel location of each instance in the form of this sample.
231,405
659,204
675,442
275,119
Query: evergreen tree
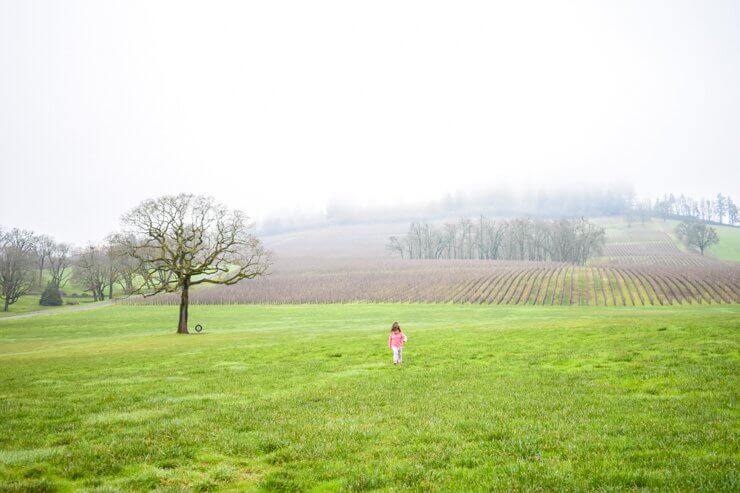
51,296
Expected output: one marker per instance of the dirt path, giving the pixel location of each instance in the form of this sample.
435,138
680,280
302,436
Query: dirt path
58,311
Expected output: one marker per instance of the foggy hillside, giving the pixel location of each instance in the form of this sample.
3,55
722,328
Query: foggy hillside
590,201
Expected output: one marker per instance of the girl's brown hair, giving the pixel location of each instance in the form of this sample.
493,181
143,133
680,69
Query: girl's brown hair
395,327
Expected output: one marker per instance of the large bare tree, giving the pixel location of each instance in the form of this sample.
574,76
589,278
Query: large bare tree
17,264
185,240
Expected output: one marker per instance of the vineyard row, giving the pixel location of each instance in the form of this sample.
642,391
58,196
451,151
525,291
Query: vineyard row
513,284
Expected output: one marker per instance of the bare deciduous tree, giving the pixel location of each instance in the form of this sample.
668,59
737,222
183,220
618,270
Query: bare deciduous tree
565,240
185,240
731,211
44,245
703,209
697,235
125,266
59,259
720,207
113,264
17,264
90,271
395,246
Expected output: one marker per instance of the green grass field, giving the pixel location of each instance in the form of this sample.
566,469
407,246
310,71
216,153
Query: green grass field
30,303
305,398
728,247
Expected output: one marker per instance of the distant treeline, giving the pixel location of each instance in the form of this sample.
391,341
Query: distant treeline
30,262
562,240
721,210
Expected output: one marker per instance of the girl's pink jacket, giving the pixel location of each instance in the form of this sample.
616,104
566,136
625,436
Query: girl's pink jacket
396,339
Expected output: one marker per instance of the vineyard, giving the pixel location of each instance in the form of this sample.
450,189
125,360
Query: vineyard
484,282
640,266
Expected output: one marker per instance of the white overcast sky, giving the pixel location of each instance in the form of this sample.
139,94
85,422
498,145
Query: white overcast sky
277,106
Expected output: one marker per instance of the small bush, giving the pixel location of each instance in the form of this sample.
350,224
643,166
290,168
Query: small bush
51,296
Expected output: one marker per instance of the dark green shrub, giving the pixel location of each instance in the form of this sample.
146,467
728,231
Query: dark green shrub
51,296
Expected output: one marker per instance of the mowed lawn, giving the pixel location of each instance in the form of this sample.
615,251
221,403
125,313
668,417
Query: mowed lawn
305,398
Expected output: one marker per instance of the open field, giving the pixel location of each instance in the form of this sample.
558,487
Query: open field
305,398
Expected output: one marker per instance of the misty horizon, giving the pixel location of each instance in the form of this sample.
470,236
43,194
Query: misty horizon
501,202
317,110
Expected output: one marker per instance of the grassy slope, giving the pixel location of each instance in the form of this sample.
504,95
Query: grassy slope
668,226
728,247
304,397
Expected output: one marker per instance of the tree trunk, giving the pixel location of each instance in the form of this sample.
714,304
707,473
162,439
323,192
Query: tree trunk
7,305
110,291
182,327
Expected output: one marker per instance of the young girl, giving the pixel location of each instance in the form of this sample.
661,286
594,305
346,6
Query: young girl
396,341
